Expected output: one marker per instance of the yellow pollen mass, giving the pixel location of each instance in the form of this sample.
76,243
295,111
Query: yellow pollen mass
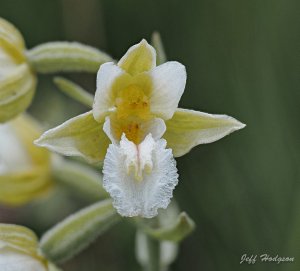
132,101
132,109
132,130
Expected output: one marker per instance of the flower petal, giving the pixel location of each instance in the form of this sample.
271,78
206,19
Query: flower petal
26,242
23,187
79,136
11,40
16,91
24,168
139,58
13,154
189,128
134,197
110,78
15,261
19,249
168,82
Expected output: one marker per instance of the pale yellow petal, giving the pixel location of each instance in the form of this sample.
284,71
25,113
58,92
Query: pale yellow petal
29,130
23,187
79,136
25,167
16,92
189,128
18,237
11,40
19,249
139,58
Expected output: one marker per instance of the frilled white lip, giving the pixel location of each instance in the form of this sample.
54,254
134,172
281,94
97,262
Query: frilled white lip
140,178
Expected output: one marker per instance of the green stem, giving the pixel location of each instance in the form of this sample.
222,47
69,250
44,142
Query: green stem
74,91
154,254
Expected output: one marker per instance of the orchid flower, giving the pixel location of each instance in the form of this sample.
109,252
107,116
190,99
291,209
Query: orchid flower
19,250
137,129
24,168
17,81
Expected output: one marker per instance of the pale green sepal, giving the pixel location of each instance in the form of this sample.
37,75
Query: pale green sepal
81,179
175,232
77,231
54,57
159,47
75,91
189,128
80,136
167,252
139,58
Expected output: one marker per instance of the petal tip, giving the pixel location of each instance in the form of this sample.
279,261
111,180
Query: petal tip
39,142
144,42
239,125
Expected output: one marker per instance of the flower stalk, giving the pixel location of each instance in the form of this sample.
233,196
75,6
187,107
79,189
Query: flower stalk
154,254
75,91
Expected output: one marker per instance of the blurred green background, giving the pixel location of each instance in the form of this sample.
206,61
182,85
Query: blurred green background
242,59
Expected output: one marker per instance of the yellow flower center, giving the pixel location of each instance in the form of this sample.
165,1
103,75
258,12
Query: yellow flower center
132,109
131,101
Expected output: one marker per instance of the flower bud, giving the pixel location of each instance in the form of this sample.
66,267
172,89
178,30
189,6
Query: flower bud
24,168
19,249
17,81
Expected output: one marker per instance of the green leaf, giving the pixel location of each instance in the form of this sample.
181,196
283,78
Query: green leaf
79,178
77,231
176,231
75,91
159,47
54,57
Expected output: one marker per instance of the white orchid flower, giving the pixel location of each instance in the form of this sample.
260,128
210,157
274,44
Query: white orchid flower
24,168
137,129
19,250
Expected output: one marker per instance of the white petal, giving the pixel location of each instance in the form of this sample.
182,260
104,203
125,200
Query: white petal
13,154
168,82
134,197
156,127
109,131
109,77
14,261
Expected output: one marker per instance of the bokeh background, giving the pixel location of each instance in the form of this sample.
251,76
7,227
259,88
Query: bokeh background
242,59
